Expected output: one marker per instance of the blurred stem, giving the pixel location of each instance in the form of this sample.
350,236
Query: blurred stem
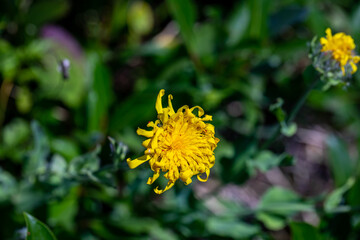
5,91
292,115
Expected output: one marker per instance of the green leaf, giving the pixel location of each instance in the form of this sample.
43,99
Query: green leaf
63,212
205,34
184,13
66,147
57,167
282,201
24,100
276,108
36,230
238,23
159,233
271,221
288,130
278,204
100,95
265,160
230,228
36,162
85,164
258,21
341,165
304,231
16,132
334,199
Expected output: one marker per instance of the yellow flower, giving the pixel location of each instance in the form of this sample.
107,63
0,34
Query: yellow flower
180,144
341,46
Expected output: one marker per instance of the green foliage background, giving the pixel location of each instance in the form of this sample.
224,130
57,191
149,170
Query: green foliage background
234,59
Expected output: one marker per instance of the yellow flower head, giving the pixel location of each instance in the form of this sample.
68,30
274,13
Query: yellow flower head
341,46
180,144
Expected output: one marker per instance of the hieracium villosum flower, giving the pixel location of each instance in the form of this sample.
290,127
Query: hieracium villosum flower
334,58
180,144
341,47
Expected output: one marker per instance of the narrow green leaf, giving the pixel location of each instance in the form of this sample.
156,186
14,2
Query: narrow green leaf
334,199
340,162
230,228
100,95
185,14
36,230
238,23
258,21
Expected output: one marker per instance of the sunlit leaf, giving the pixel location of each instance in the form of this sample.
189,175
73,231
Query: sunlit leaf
36,230
334,199
277,205
231,228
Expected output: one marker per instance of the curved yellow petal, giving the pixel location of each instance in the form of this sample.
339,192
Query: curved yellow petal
168,186
146,142
144,133
153,178
207,172
343,70
200,112
186,176
154,142
356,59
149,151
170,107
328,33
323,41
353,66
207,118
158,104
164,116
137,161
150,124
185,107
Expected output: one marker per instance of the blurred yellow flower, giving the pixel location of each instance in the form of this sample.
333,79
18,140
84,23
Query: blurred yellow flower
341,46
180,144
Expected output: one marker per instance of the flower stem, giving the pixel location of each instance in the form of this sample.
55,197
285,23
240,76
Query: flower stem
291,117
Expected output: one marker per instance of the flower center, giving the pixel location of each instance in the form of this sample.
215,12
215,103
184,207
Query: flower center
178,143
